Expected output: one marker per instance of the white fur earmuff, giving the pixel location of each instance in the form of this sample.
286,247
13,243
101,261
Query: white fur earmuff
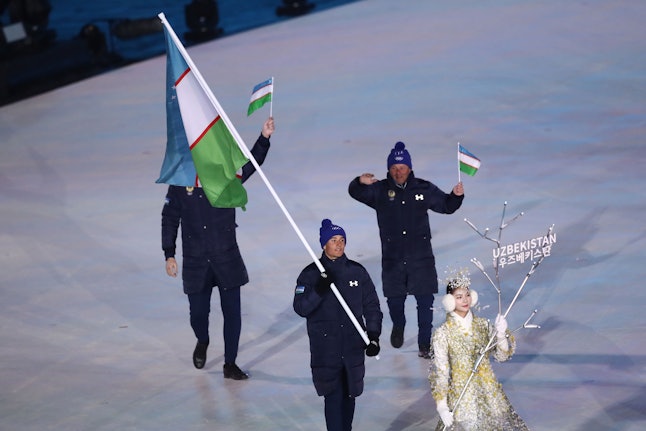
448,301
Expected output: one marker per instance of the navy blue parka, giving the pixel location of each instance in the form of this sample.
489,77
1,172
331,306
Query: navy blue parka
208,233
335,344
407,259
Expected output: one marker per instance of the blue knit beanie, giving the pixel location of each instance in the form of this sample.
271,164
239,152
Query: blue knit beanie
328,230
399,155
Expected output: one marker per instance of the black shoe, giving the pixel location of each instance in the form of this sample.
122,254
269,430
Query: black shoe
397,337
424,352
199,355
231,371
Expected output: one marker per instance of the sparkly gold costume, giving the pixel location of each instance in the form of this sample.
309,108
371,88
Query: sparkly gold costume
456,347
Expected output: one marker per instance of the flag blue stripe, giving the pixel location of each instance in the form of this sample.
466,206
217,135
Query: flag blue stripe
464,151
261,85
177,168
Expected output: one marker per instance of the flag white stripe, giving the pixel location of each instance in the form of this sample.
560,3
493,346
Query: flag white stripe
469,160
197,110
262,92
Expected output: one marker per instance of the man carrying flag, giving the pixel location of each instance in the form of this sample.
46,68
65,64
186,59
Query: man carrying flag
211,256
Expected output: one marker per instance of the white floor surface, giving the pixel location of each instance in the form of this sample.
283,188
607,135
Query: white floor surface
548,94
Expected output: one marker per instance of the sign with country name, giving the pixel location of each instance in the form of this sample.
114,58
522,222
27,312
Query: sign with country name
523,251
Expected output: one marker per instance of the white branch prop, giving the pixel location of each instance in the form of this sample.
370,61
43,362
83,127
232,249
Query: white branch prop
490,345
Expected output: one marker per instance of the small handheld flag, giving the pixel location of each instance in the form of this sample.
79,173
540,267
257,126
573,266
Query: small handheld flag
261,94
468,163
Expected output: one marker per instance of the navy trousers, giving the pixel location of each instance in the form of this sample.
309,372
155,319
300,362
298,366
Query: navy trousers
200,307
424,316
339,407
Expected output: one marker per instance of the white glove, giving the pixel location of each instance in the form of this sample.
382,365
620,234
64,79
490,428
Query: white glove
501,326
445,414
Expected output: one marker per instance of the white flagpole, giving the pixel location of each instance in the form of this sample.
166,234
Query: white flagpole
252,159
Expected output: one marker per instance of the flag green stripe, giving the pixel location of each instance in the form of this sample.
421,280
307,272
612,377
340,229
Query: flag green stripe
467,169
217,158
258,103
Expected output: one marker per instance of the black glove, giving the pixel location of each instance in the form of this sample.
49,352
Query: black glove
323,284
373,348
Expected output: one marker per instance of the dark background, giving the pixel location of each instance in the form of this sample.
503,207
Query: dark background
67,40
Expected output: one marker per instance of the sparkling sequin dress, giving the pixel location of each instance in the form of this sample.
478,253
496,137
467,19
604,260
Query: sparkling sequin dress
455,349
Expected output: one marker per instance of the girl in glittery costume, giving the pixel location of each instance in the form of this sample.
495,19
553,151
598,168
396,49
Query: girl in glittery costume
456,348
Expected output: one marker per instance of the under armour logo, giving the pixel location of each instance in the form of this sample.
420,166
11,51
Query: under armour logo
354,283
419,197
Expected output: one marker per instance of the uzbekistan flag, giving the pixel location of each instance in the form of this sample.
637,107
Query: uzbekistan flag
469,163
195,128
260,95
